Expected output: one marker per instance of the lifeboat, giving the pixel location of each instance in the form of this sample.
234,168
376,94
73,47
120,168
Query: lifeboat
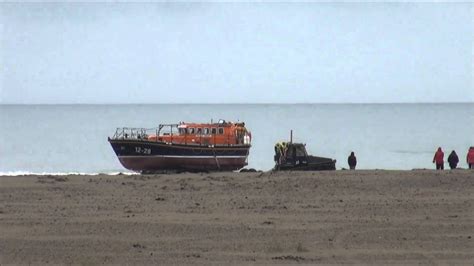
222,146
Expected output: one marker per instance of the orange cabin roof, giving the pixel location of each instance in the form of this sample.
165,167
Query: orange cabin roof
222,133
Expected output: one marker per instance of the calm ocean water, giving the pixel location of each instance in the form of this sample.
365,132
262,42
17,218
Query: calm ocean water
73,138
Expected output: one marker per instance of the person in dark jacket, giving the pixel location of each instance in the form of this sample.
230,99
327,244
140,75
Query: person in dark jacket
352,161
453,160
438,159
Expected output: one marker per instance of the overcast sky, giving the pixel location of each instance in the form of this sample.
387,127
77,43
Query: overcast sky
236,53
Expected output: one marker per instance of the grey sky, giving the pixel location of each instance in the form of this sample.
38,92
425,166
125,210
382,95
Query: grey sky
247,52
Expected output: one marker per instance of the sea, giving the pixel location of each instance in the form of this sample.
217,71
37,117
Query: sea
60,139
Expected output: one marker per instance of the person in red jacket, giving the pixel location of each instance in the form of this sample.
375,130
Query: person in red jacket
439,159
470,158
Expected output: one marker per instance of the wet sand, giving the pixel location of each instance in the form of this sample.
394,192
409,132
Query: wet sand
369,217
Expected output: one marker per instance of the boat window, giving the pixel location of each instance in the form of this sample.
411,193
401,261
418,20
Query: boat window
182,131
300,151
198,131
214,130
221,131
206,131
191,130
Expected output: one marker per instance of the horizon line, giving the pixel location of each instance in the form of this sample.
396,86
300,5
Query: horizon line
241,103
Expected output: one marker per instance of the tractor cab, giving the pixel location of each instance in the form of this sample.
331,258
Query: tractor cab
293,156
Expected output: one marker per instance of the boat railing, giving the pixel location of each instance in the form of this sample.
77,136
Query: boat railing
138,133
134,133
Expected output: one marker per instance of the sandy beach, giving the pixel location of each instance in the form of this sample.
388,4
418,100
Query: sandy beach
369,217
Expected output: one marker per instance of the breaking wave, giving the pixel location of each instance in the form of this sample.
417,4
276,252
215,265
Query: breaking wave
27,173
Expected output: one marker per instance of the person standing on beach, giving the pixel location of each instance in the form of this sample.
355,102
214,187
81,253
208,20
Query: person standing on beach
439,159
453,160
352,161
470,158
